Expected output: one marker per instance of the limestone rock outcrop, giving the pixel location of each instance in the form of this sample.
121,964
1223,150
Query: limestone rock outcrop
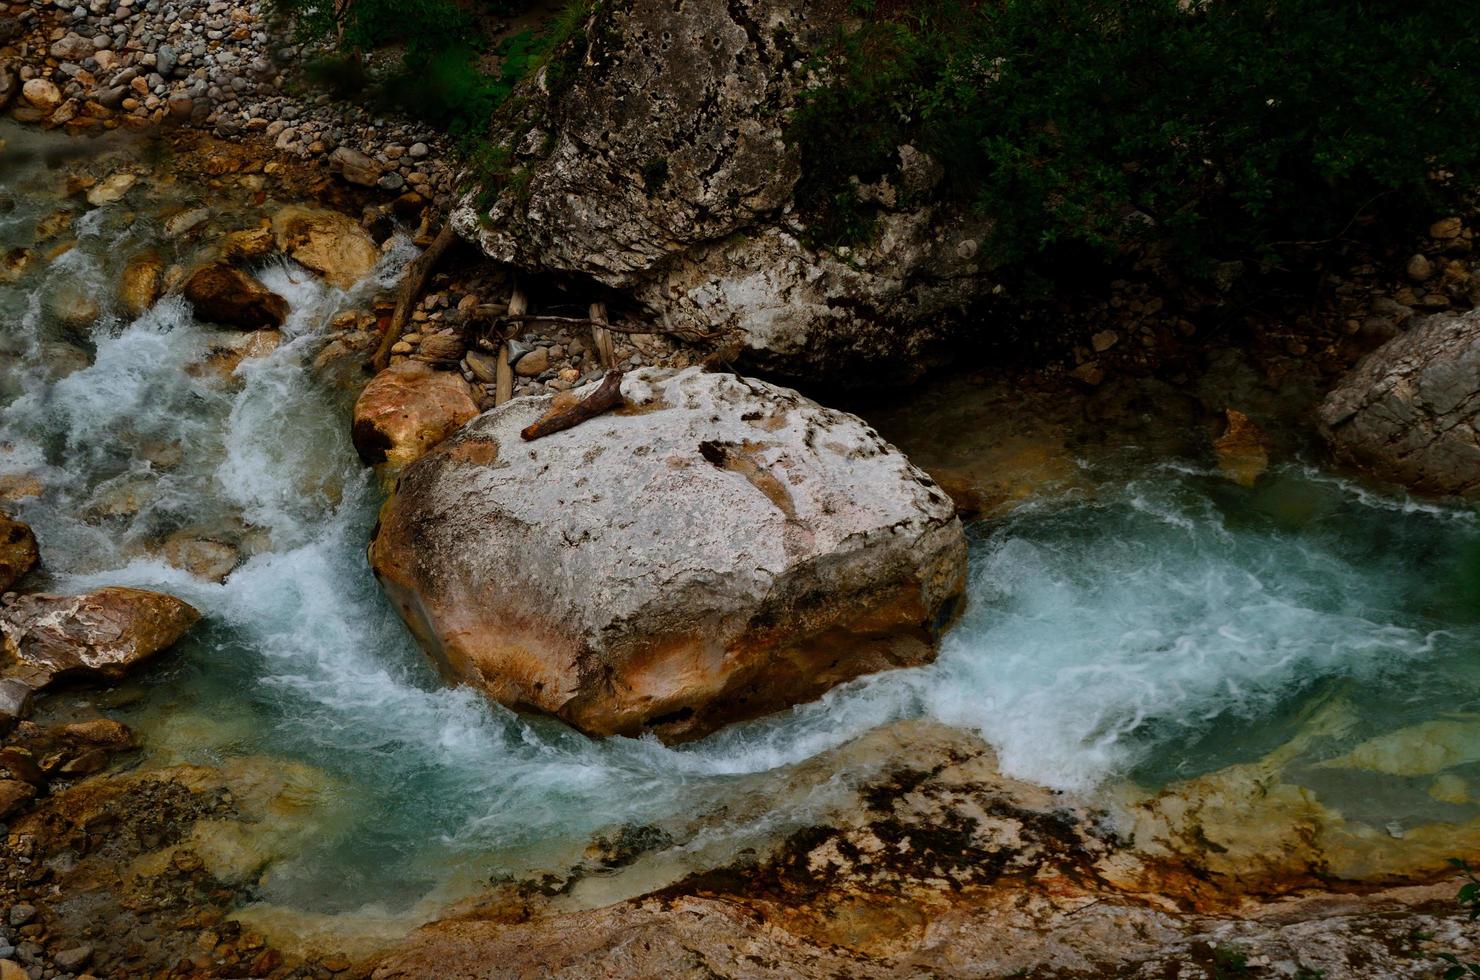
664,168
718,549
1409,413
97,635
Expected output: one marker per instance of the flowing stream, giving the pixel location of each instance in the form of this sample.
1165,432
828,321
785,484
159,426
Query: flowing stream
1151,622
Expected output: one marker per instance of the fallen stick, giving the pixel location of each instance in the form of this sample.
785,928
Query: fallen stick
416,279
607,396
504,373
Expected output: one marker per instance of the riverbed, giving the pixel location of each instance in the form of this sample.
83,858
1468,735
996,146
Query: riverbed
1136,620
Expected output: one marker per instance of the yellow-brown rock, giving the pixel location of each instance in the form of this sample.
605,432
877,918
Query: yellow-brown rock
331,244
100,634
1242,450
408,409
248,244
18,553
143,277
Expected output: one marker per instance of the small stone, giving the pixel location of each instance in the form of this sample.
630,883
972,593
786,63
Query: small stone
1089,373
71,960
1446,228
535,362
1104,340
1242,450
21,913
1420,268
41,94
418,151
111,190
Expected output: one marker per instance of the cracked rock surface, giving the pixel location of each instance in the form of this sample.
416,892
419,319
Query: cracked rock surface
718,549
657,161
1410,412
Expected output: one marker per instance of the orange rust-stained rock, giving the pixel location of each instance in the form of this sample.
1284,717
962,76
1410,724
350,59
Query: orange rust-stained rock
1242,450
100,634
408,409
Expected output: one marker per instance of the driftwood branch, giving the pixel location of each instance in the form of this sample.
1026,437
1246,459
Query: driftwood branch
411,287
581,321
504,380
601,338
607,396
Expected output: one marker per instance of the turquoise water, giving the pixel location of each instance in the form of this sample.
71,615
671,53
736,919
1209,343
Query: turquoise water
1155,624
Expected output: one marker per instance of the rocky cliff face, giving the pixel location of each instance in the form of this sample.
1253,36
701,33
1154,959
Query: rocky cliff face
1410,412
652,156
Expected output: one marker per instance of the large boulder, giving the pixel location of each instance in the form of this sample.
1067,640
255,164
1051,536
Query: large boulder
228,296
327,242
407,409
719,549
98,635
663,167
1409,413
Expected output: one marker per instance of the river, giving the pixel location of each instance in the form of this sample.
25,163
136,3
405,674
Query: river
1138,622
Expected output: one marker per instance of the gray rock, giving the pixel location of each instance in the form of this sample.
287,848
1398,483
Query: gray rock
688,209
724,549
15,702
73,959
21,913
1409,413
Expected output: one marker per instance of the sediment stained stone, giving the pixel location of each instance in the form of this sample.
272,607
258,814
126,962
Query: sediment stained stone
718,549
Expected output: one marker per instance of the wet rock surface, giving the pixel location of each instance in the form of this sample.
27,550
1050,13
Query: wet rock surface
1410,412
101,634
408,409
720,549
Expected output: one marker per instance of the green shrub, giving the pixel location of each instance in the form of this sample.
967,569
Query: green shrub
439,79
1218,129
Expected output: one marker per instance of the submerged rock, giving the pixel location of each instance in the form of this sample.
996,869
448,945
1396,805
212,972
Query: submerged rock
329,243
100,634
406,410
225,295
18,552
720,549
143,278
1409,413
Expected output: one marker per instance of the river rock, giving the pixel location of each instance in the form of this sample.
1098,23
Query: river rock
14,794
41,94
15,702
1409,413
692,211
407,409
1242,450
143,276
97,635
201,557
355,167
331,244
226,295
111,189
721,549
18,553
247,244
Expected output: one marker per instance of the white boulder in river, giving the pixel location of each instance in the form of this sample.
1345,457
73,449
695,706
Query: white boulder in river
718,549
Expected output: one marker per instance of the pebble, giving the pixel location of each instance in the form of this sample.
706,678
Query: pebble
21,914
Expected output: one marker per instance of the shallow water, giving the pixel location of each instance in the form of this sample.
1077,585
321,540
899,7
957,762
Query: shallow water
1140,620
